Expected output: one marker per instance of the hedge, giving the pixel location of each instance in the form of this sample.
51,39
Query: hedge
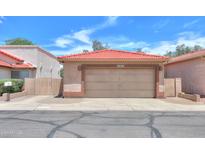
17,85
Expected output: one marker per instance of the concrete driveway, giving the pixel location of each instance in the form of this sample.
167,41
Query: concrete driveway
101,104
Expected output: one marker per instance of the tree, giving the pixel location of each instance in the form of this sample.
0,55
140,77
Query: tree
139,50
97,45
61,72
180,49
183,49
18,41
197,47
169,54
85,50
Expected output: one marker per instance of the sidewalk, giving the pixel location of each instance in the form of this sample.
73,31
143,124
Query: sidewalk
100,104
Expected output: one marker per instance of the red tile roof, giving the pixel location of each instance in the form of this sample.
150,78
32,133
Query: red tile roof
19,64
11,56
188,56
4,64
16,66
109,54
24,65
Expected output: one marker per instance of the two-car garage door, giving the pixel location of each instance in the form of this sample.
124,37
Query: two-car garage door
134,82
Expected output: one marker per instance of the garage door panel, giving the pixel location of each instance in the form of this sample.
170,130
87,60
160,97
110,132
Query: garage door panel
102,86
120,82
138,72
102,93
101,78
136,86
139,78
136,93
99,72
118,93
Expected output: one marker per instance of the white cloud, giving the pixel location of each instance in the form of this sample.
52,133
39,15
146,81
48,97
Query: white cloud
63,42
132,45
187,38
122,42
191,42
77,49
83,35
190,24
112,20
161,48
188,35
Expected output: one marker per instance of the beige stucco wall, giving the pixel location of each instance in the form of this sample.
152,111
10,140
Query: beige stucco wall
5,73
47,66
50,66
72,77
191,72
161,79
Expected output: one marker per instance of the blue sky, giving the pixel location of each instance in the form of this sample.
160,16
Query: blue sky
65,35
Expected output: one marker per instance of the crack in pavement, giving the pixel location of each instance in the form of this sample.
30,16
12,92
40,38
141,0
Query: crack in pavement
118,117
155,133
21,112
151,116
59,127
71,132
31,120
55,129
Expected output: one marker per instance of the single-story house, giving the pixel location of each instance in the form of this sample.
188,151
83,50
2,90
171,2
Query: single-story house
191,69
113,73
14,67
46,65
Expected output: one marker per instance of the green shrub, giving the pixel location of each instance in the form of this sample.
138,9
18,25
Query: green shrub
17,85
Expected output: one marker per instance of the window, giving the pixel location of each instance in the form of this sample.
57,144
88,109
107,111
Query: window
19,74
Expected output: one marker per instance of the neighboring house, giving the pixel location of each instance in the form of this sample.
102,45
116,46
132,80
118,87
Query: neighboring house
46,65
113,73
14,67
191,69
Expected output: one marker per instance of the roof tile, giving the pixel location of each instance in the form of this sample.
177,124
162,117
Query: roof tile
15,66
11,56
4,64
191,55
112,54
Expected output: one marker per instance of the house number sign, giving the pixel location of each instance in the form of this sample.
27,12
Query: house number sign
120,66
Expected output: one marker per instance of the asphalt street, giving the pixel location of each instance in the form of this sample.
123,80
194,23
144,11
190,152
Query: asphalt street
101,124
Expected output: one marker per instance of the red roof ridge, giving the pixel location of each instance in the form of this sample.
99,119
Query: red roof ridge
121,51
4,64
82,53
192,52
19,64
23,65
137,52
190,55
28,46
11,56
